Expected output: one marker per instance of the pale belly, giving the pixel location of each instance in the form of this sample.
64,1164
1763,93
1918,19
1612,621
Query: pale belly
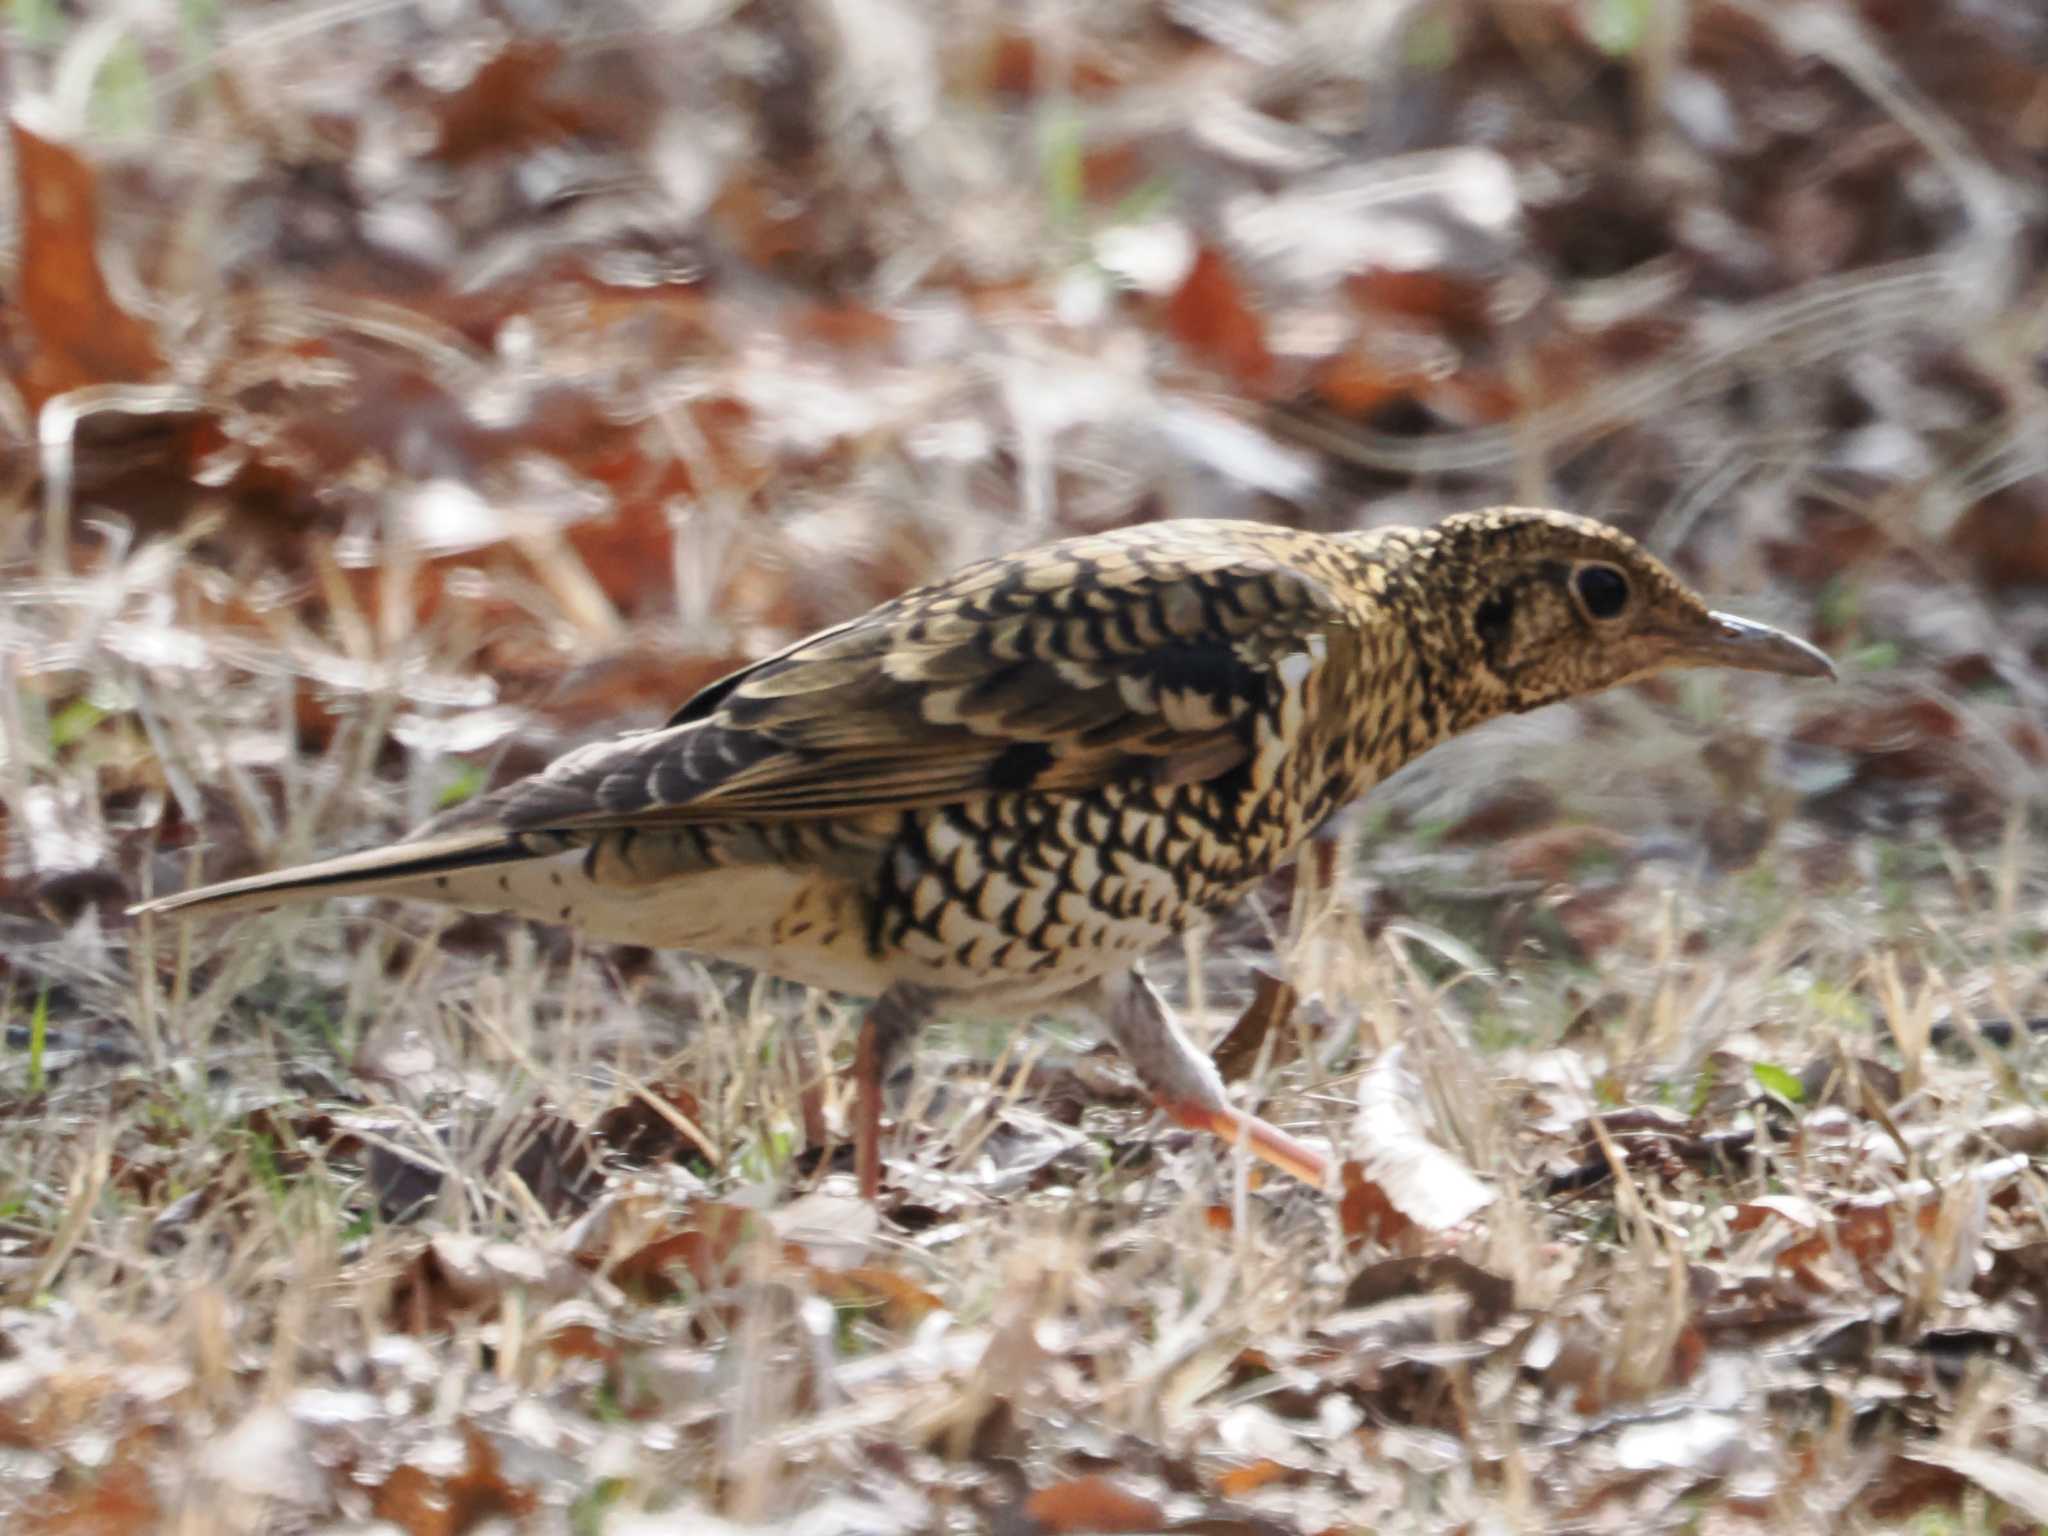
797,925
999,905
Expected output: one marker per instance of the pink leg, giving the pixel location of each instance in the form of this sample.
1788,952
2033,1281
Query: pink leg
1185,1084
887,1027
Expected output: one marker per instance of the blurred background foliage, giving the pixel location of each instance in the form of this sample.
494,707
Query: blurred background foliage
394,394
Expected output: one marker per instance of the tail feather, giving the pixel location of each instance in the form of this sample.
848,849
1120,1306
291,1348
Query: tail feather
388,869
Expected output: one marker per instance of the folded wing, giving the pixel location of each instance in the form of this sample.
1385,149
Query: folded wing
1094,661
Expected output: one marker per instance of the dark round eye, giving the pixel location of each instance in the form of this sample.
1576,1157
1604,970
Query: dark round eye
1603,590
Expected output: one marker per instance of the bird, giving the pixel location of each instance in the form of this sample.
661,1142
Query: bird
993,795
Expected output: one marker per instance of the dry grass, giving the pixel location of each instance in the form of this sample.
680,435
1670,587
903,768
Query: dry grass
1680,1048
222,1313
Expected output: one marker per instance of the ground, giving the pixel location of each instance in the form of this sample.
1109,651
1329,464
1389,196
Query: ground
397,395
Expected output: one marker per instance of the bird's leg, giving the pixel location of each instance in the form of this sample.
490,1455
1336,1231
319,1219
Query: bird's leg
887,1028
1185,1083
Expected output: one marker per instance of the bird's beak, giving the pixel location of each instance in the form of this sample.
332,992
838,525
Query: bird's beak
1727,641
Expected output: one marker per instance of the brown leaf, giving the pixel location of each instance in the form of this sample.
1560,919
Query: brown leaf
460,1274
1239,1481
77,334
427,1298
705,1249
1091,1506
117,1499
1426,1183
1556,854
1213,318
638,1134
502,108
2005,539
577,1330
1754,1212
1365,1212
1011,65
1514,807
1358,382
847,326
1489,1296
1443,299
1864,1233
423,1503
1272,1005
1594,919
903,1302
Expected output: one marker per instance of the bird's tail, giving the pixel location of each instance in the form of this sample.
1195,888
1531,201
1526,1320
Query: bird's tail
397,869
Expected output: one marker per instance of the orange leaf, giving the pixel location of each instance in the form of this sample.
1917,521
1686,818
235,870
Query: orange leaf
502,108
117,1501
1271,1006
1090,1506
706,1249
1212,317
1110,172
1365,1212
1453,303
582,1341
904,1302
1239,1481
78,335
1357,384
422,1503
1011,68
845,325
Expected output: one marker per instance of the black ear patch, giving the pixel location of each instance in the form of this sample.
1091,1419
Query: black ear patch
1493,621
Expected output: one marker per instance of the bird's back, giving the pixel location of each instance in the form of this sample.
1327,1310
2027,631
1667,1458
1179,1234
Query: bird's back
1024,776
1004,784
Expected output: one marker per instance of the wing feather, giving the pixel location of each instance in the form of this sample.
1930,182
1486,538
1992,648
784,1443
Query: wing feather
1095,660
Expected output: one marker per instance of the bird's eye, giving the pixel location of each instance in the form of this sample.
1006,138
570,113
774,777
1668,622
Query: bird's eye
1494,618
1603,590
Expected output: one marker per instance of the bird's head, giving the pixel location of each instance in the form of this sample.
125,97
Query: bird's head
1528,607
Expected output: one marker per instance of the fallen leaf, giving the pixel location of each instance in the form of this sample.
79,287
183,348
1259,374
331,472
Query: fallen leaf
1489,1297
1272,1005
1424,1182
1212,317
503,109
423,1503
1365,1212
117,1500
1091,1506
706,1250
77,334
902,1302
2021,1484
1239,1481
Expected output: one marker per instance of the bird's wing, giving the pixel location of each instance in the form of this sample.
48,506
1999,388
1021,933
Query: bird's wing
1050,674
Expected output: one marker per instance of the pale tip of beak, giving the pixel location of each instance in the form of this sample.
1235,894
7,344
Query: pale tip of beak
1753,647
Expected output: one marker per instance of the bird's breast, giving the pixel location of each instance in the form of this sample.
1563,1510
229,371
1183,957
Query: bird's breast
1055,890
